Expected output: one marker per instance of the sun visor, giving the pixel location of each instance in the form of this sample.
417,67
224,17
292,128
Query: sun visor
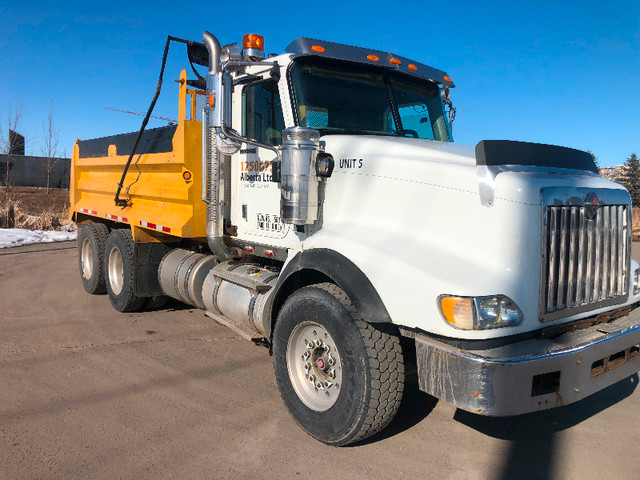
338,51
506,152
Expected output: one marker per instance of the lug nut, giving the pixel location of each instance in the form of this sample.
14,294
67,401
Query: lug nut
318,343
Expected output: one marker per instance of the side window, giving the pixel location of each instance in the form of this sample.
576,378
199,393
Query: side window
262,113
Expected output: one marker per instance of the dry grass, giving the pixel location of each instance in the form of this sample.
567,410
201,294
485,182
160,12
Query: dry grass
34,208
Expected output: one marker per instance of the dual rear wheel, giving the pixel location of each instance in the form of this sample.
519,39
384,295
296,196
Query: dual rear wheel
91,245
121,272
108,264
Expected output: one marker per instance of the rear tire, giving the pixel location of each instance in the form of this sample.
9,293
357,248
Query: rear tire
91,245
357,368
120,271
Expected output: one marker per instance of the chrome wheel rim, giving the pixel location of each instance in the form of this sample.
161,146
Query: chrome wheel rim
314,366
86,259
116,271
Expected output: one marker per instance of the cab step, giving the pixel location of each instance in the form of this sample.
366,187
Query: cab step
245,331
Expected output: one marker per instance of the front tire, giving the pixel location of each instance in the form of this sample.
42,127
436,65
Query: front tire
120,269
341,378
91,245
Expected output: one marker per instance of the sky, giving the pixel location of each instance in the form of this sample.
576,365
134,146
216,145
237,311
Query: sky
562,72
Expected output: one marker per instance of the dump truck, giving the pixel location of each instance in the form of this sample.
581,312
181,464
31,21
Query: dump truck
314,201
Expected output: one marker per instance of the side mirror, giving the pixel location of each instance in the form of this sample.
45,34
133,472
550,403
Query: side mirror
324,164
276,171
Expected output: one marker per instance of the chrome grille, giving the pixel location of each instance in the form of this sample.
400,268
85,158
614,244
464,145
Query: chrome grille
585,260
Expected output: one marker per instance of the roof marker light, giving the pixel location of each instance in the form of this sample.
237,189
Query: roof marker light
447,78
412,67
317,48
373,58
395,61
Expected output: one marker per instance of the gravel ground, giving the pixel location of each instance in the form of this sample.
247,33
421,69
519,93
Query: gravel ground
86,392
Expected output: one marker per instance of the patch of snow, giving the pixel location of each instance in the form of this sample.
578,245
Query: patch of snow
17,237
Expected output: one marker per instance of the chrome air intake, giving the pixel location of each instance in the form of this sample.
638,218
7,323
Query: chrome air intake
299,183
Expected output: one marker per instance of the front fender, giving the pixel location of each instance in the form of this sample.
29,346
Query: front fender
321,264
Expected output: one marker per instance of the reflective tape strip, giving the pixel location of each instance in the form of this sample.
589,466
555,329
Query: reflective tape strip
116,217
160,228
86,210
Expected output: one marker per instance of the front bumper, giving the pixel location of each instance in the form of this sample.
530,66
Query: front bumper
534,374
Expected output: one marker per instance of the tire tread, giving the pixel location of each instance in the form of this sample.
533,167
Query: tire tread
384,357
99,233
127,300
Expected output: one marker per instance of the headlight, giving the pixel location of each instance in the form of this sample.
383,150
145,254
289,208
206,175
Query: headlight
479,313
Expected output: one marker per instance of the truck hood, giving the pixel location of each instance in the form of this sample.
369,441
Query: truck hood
451,166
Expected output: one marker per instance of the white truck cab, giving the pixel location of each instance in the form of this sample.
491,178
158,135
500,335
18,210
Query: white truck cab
344,225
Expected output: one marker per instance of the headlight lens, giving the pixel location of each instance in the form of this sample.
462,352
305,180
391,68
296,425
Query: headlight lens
480,313
495,312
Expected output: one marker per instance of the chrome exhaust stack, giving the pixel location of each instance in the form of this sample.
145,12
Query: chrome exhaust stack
213,123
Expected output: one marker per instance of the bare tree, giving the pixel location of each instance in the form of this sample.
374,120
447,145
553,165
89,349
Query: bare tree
14,119
60,175
50,144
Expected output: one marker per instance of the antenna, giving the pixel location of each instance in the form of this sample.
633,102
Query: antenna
170,120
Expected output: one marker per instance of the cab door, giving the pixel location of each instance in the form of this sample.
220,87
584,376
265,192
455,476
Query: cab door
256,199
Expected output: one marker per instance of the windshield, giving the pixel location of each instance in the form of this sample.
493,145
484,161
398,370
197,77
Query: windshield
340,97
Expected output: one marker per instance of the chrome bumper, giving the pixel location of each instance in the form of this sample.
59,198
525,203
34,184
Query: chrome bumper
531,375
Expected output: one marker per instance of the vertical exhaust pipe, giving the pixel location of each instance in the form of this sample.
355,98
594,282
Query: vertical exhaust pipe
214,48
214,120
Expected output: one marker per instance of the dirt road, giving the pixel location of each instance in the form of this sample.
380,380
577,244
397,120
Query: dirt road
86,392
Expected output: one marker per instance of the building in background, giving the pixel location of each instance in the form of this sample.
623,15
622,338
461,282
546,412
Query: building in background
20,170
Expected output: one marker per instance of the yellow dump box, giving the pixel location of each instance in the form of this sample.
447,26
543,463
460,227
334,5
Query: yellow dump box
164,181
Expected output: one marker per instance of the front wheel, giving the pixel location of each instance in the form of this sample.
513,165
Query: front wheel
341,378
